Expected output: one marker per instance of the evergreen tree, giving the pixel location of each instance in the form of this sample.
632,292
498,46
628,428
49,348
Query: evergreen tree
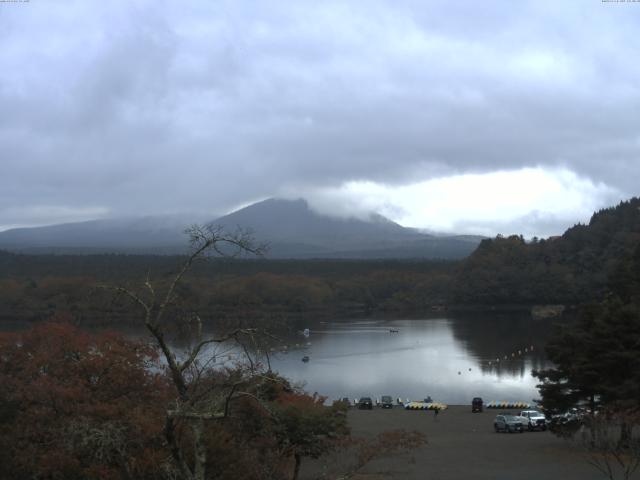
597,360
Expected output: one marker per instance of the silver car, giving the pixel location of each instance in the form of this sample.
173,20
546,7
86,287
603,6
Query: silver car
508,423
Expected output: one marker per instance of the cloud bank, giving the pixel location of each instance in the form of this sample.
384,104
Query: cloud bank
154,107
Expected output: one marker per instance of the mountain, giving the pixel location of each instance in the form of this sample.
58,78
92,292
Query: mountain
152,234
292,229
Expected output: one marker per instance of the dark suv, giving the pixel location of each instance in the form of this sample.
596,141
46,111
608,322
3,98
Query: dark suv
476,405
365,403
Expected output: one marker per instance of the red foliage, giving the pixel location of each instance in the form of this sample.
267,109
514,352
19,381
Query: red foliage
76,405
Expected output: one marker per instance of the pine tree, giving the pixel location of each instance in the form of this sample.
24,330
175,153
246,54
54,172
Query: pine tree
597,360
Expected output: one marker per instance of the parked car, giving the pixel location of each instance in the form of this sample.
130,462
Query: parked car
535,420
476,405
365,403
566,424
386,401
508,423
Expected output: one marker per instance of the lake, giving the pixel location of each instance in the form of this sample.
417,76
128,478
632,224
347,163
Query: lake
451,360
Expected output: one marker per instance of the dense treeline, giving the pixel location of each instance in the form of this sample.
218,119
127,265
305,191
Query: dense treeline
34,287
595,367
574,268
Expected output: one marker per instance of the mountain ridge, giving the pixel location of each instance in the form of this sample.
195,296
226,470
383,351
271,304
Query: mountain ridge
291,227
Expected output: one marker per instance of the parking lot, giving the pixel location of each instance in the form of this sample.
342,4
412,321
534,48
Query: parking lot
463,445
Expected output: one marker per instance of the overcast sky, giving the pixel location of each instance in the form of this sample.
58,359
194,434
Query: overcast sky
467,116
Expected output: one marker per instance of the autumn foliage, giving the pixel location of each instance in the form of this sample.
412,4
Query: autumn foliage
76,405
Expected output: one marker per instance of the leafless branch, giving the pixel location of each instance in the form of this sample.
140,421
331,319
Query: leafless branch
191,403
196,351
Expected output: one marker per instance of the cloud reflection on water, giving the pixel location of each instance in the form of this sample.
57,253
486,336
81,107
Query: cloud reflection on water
445,358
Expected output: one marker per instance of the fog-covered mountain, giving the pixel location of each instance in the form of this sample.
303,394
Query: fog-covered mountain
292,229
152,234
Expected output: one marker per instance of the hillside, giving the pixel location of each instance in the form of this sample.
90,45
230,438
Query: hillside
583,264
152,234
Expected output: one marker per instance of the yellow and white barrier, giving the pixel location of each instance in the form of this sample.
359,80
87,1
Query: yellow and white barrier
425,406
508,405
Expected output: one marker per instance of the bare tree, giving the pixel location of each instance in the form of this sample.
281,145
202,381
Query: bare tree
610,441
196,402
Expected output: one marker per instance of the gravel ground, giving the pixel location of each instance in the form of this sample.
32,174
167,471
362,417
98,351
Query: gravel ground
462,445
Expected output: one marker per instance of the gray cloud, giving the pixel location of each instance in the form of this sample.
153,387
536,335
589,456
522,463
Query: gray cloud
160,107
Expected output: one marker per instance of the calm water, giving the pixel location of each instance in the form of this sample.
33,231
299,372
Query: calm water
451,360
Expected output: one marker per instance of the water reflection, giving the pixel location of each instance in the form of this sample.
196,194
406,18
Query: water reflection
451,360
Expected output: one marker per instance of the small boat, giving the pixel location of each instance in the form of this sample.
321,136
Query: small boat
305,358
